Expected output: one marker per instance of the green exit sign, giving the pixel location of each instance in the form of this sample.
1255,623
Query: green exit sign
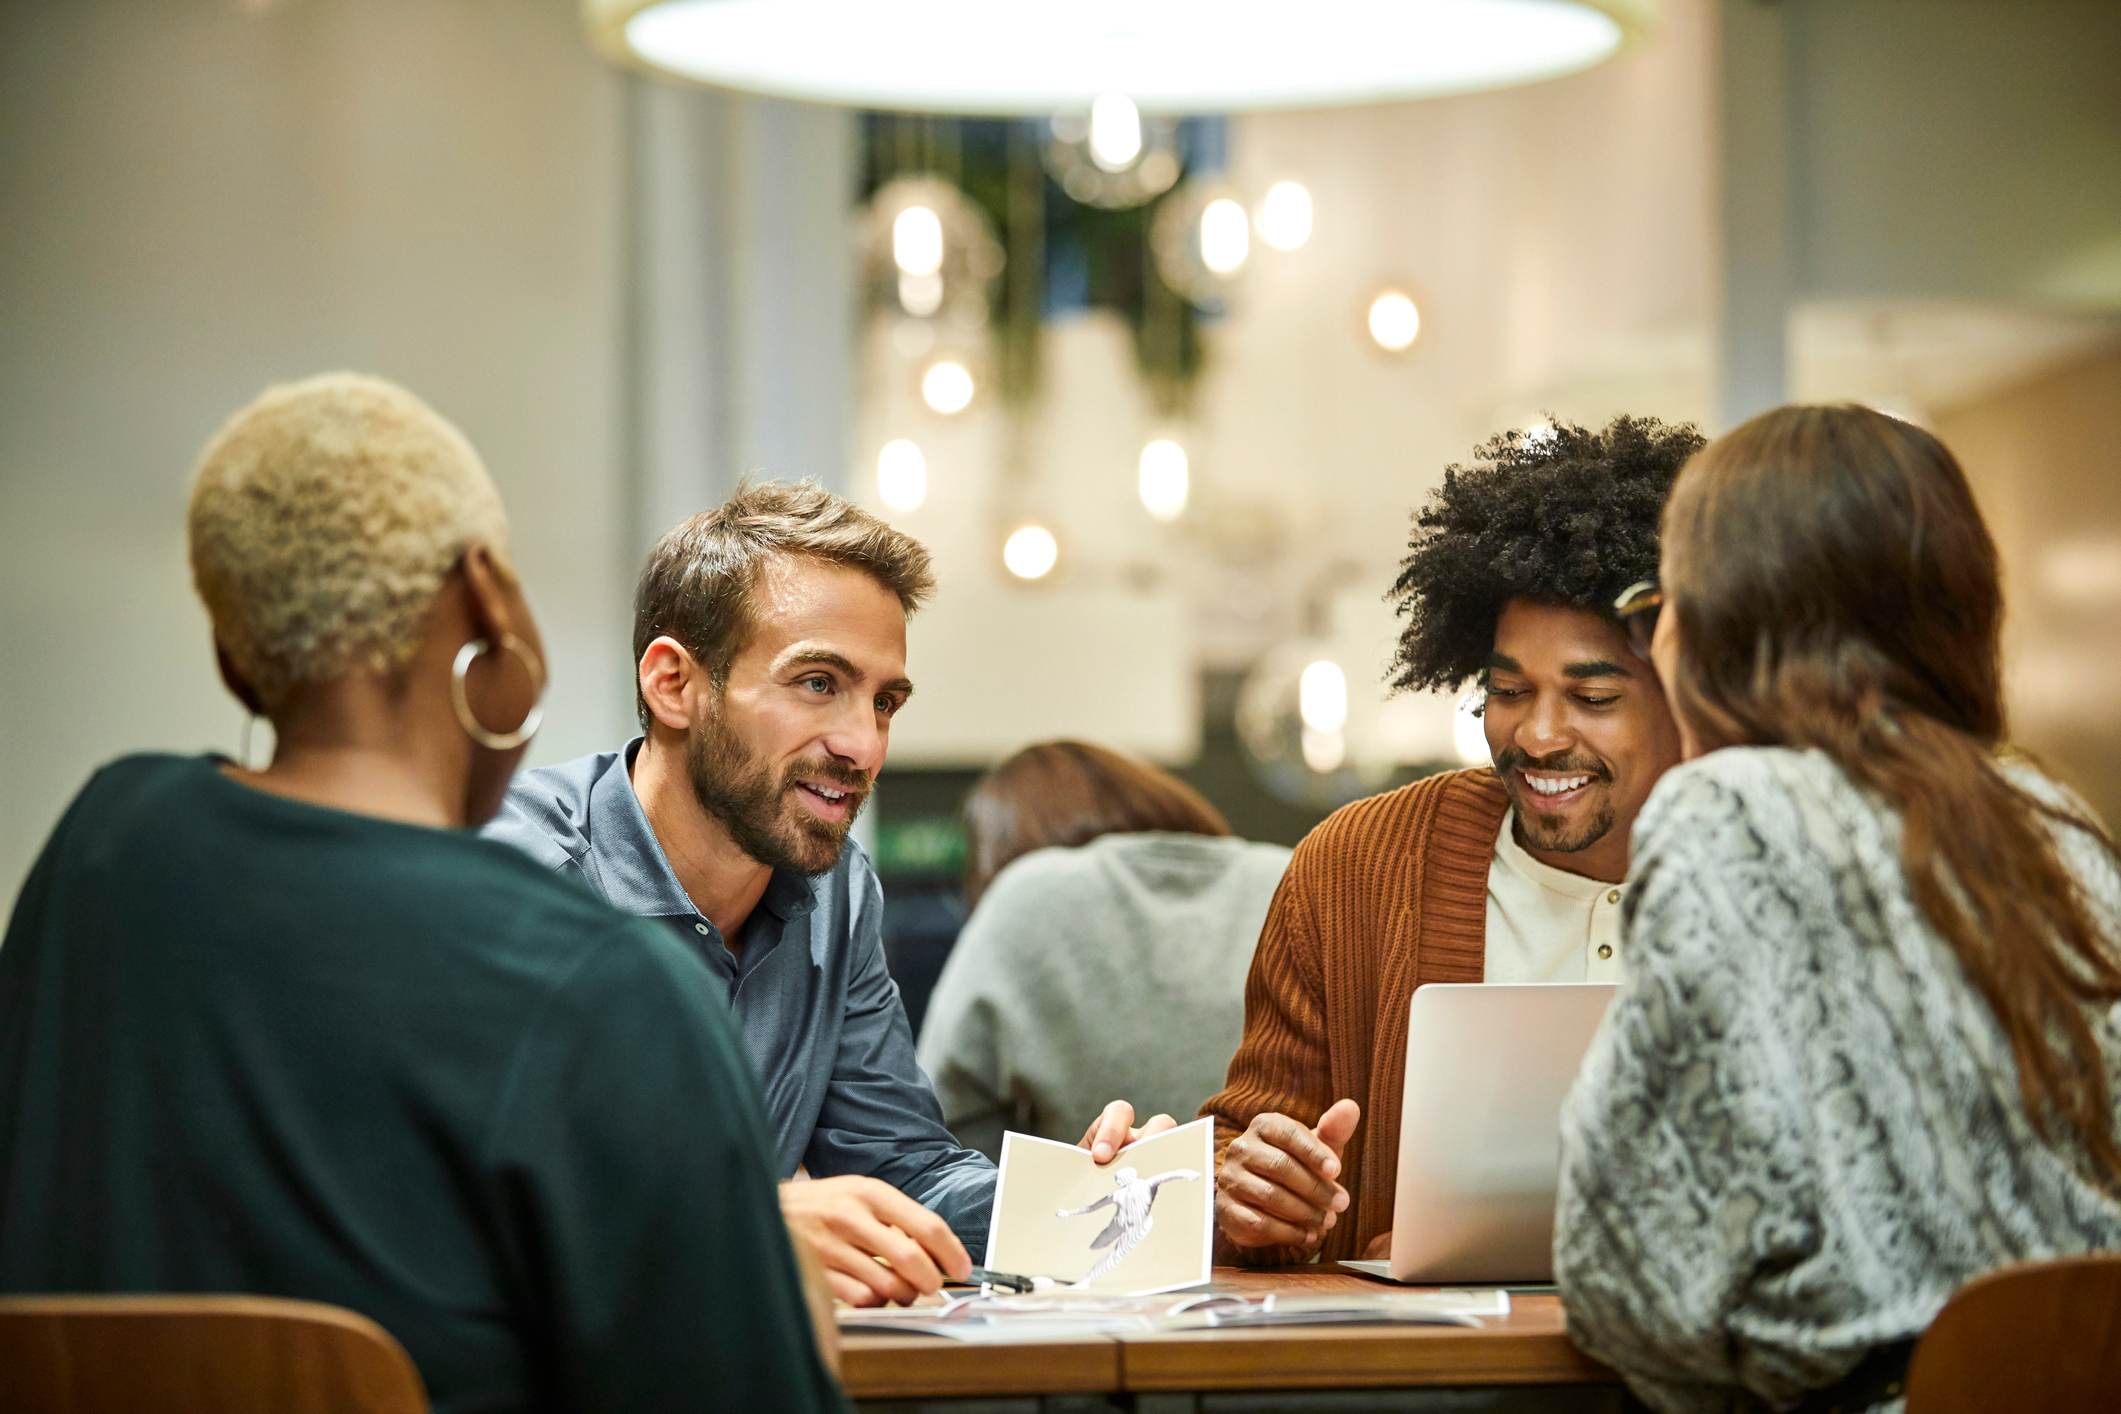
933,846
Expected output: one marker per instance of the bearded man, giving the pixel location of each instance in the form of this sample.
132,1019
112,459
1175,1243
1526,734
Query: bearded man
769,642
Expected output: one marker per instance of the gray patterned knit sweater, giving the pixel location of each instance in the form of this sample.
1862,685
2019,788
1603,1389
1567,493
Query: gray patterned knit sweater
1799,1130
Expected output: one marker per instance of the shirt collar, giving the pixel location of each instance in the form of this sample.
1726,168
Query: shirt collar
1546,876
636,873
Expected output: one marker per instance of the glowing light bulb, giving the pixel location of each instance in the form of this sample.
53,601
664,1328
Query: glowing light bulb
1322,696
947,386
917,241
1165,478
920,295
1225,236
1324,752
1469,735
901,475
1115,132
1030,552
1285,216
1394,321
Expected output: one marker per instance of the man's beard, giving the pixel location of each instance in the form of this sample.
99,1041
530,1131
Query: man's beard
740,791
1537,830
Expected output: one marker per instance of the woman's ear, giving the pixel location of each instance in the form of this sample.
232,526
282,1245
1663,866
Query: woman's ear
234,681
489,588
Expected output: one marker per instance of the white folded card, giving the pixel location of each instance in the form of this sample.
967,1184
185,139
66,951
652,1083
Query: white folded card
1143,1223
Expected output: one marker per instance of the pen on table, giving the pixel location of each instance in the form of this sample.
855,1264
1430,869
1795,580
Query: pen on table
1007,1280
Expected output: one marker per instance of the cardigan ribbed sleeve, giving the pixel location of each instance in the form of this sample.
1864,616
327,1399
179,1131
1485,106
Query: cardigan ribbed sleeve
1387,894
1281,1062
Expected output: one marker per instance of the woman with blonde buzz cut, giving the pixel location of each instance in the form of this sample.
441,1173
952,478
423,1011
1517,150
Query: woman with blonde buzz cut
295,1031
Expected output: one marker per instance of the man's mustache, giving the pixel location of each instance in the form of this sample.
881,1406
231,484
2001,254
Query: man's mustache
831,773
1514,759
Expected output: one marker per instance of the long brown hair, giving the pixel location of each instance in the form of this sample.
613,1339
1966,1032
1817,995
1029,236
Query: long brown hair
1069,793
1837,589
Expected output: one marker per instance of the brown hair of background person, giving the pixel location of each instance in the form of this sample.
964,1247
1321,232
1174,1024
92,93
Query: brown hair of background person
1835,588
1066,793
698,582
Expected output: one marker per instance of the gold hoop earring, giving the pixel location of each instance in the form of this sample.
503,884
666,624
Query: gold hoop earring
461,700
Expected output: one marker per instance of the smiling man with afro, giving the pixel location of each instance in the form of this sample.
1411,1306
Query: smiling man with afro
1509,873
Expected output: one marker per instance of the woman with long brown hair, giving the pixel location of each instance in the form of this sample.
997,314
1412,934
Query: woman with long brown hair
1869,1046
1113,921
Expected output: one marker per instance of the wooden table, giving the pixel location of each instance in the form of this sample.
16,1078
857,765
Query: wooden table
1521,1362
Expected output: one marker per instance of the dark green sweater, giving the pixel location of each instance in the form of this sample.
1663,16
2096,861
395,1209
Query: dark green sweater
253,1045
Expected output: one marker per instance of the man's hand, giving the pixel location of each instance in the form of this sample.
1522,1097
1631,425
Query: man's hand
1114,1130
851,1221
1278,1183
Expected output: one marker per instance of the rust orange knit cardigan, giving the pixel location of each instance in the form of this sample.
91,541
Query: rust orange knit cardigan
1386,895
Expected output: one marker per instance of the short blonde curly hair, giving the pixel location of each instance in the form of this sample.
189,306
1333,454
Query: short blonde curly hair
323,521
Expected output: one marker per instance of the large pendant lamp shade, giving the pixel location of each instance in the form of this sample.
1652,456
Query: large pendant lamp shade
1169,56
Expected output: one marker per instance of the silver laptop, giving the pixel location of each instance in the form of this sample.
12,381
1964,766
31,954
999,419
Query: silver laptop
1480,1128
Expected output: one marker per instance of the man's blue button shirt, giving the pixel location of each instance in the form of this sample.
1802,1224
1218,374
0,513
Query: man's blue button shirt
819,1014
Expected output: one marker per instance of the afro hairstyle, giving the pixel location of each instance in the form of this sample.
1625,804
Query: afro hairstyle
1566,517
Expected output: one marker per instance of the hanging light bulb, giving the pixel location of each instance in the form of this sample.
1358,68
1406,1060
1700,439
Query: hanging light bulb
902,475
1322,696
1395,322
920,295
947,386
1115,132
1285,216
1030,552
1469,735
1164,479
917,240
1225,236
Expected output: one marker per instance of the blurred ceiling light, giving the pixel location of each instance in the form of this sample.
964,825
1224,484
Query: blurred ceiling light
947,386
1324,752
1030,552
1468,733
1285,216
1165,478
1225,236
917,241
1322,696
901,475
1115,132
1394,321
2082,573
1177,56
920,295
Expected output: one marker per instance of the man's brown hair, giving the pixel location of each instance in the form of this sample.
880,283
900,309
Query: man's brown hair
697,584
1066,793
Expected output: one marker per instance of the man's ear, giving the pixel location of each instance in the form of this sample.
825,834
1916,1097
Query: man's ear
234,681
665,672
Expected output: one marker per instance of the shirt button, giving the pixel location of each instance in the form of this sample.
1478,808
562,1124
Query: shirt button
700,928
1613,897
1605,950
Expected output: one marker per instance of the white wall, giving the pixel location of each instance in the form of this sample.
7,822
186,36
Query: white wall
201,200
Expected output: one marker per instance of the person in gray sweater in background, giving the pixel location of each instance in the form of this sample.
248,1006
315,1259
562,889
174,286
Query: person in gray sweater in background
1113,922
1868,1048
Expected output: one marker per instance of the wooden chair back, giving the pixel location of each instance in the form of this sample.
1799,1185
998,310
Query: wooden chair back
199,1355
2030,1338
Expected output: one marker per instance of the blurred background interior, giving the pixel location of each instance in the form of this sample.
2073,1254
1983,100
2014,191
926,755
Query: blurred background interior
1156,373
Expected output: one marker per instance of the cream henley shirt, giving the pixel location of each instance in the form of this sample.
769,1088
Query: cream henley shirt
1545,924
